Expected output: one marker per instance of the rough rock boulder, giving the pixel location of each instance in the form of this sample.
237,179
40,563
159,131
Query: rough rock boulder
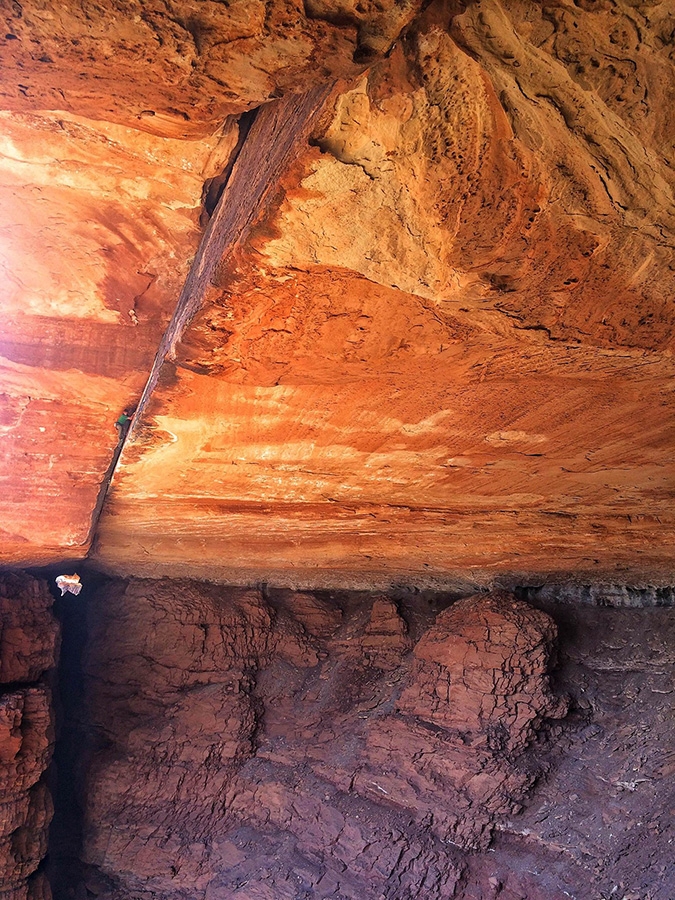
28,645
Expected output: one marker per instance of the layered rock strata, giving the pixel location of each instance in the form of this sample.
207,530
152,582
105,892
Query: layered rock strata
99,222
446,350
28,645
113,117
274,745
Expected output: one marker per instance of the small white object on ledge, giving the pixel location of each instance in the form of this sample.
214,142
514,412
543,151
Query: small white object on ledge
69,583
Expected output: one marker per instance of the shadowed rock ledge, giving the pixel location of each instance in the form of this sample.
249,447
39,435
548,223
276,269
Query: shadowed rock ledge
264,745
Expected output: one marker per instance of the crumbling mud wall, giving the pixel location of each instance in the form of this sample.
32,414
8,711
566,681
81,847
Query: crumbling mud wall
258,745
28,644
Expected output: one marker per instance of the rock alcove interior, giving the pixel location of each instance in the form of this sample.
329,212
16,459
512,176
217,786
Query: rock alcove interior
390,286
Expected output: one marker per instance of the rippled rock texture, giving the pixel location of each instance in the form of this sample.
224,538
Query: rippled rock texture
447,348
441,347
28,645
274,745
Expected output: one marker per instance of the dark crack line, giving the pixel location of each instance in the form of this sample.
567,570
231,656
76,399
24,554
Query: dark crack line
105,484
277,135
274,140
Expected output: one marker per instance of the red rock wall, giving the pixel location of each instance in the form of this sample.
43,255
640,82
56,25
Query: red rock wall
178,68
443,350
265,745
446,351
28,644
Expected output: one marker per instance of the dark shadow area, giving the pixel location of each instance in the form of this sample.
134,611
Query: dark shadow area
214,187
594,784
74,741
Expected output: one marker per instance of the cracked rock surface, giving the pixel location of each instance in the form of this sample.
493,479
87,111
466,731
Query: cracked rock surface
256,746
28,646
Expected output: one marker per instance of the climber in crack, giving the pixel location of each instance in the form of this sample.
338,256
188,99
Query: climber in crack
123,424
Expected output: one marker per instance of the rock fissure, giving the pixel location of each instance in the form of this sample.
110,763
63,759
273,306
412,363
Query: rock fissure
283,130
275,136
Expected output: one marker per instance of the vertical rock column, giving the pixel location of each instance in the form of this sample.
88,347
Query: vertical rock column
28,643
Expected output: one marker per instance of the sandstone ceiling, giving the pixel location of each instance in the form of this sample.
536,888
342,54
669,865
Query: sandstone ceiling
429,329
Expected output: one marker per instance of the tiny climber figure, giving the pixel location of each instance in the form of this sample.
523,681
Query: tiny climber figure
70,583
123,423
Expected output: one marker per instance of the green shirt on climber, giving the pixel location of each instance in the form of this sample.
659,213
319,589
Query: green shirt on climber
123,424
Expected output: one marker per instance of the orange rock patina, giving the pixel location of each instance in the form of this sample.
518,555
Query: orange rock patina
441,344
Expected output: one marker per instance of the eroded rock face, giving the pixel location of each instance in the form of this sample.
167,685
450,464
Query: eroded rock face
294,745
482,670
180,68
100,215
447,350
444,347
28,644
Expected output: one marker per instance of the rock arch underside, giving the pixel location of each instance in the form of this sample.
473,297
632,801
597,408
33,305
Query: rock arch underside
378,579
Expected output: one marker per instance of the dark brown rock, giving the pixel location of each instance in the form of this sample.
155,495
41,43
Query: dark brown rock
240,756
28,630
28,645
385,638
482,670
243,716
